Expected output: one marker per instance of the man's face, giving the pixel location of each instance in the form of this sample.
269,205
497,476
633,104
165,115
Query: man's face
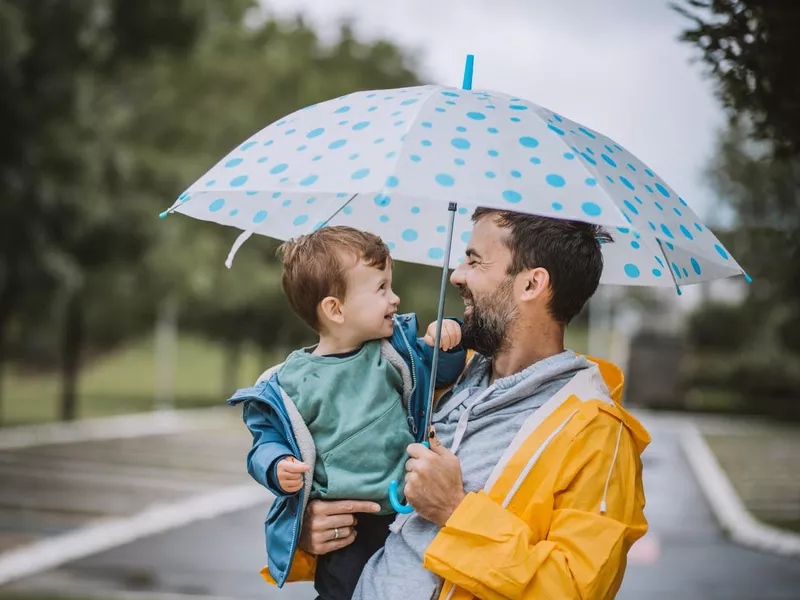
487,289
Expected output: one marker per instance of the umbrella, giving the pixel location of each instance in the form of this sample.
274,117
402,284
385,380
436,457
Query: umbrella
406,163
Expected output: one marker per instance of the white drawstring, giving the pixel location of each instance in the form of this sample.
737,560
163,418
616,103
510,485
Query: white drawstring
243,237
603,504
463,420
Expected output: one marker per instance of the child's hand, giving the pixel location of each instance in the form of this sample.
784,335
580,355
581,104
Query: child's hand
451,334
290,474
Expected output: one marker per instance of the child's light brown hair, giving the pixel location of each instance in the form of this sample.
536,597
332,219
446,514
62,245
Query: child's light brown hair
314,266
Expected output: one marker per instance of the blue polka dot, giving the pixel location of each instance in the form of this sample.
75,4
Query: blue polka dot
667,232
631,207
492,130
465,236
556,129
348,210
698,227
460,143
435,253
382,200
311,200
445,180
721,251
216,205
234,212
279,168
234,162
410,235
384,218
476,116
427,143
378,141
441,110
696,266
360,126
635,245
663,190
649,172
529,142
392,181
670,246
623,230
450,94
588,158
493,153
589,150
649,189
569,156
591,181
408,102
427,124
247,145
608,159
490,175
656,272
360,174
517,107
262,160
398,123
609,179
260,216
555,180
315,132
682,201
659,207
677,212
535,160
342,109
512,196
309,180
336,144
516,119
415,158
516,174
557,206
353,156
627,183
287,203
276,195
210,182
290,131
391,154
632,271
301,220
462,211
372,109
639,200
685,272
659,261
586,132
686,233
238,181
450,102
591,209
461,129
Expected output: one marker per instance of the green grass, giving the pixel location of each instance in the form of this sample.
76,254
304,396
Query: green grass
124,382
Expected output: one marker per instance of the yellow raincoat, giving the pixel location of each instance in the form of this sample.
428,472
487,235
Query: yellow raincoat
559,512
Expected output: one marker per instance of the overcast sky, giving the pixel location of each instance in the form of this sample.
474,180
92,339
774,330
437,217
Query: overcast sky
614,65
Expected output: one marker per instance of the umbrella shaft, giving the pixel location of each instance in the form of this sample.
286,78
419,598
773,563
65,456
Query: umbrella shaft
439,318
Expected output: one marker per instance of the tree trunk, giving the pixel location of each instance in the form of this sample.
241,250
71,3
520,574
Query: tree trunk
72,343
230,372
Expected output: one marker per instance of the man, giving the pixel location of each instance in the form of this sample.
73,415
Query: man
532,486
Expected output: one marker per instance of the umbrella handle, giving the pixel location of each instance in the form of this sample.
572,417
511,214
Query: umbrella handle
394,499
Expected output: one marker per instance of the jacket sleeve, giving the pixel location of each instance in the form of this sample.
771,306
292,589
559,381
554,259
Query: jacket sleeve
268,445
494,554
451,363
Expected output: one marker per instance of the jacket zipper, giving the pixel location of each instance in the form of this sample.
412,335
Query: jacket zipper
409,416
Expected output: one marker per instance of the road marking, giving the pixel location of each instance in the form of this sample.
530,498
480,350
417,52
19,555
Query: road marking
107,534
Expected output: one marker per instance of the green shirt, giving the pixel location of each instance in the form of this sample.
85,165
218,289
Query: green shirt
353,408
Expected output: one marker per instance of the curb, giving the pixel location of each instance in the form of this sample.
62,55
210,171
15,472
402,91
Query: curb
106,428
725,503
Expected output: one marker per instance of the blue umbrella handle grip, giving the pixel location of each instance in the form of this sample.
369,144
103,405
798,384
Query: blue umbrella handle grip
394,500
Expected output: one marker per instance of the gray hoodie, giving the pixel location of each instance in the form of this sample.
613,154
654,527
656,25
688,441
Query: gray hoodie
477,422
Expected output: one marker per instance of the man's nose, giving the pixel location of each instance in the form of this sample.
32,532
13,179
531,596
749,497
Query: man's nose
457,276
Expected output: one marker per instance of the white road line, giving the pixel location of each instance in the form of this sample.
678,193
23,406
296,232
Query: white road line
726,504
104,535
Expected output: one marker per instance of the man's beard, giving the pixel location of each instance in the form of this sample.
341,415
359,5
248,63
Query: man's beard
486,329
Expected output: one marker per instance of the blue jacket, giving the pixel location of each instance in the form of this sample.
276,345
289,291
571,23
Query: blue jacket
273,421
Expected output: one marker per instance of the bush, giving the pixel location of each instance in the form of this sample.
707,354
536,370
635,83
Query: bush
716,326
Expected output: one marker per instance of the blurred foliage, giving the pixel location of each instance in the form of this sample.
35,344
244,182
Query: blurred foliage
751,48
109,109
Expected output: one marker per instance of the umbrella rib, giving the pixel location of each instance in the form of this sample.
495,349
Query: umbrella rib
338,210
667,267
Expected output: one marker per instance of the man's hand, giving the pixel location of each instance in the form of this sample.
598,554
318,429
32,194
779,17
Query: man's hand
290,474
433,481
325,519
451,335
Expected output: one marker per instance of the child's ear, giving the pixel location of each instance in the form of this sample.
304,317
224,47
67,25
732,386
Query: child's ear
331,310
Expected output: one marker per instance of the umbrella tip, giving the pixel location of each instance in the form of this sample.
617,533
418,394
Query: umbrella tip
164,214
678,289
747,278
468,68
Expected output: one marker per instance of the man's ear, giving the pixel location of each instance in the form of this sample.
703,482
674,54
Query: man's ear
330,310
535,283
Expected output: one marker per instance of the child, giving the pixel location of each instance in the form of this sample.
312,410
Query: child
334,420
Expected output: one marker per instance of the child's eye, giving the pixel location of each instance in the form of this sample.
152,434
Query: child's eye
383,286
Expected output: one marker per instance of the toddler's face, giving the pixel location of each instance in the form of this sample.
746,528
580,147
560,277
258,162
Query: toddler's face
370,304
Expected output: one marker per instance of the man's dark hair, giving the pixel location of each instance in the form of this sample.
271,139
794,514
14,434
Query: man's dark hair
568,250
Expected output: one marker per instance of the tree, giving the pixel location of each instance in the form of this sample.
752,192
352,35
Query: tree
752,48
